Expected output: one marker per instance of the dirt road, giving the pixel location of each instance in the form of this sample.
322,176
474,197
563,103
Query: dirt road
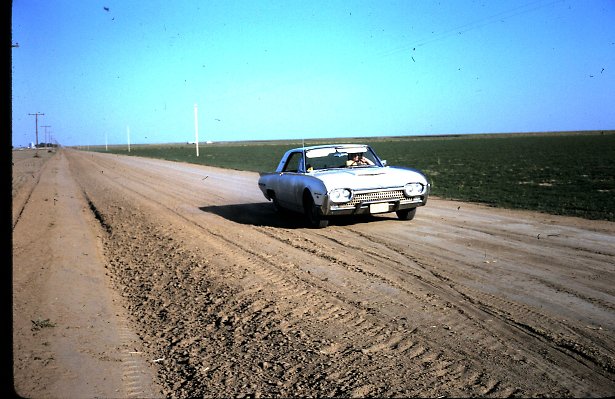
137,277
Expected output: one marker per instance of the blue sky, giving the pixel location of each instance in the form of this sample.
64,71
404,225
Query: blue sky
263,70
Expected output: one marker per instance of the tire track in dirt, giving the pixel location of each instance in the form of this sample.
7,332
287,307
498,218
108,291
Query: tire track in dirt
485,338
361,326
325,310
522,318
137,383
587,351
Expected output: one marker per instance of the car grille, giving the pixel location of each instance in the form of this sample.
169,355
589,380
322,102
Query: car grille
376,196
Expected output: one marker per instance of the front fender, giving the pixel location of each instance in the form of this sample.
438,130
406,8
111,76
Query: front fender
317,190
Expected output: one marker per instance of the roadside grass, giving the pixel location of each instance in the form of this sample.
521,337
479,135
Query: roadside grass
40,324
558,173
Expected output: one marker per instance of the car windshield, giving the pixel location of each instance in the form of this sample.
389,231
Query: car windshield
340,157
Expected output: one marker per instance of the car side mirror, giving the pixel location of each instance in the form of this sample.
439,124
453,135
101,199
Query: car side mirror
384,162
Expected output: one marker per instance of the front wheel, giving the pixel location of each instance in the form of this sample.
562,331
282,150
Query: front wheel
406,214
312,215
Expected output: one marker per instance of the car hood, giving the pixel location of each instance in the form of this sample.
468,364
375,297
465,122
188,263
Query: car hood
369,178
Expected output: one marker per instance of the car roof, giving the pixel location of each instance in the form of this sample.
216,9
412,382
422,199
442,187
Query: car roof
339,146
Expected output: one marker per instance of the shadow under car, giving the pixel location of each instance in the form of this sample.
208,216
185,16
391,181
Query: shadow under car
263,214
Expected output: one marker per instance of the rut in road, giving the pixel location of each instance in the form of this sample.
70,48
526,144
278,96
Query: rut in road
232,305
23,185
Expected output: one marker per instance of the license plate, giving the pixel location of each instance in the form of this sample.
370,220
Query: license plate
379,208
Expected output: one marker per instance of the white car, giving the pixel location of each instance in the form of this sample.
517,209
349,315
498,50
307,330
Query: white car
342,179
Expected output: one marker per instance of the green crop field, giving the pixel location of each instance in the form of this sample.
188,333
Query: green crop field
559,173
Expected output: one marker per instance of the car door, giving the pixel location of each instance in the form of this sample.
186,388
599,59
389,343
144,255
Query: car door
290,182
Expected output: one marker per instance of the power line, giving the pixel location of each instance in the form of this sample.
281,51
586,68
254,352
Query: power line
501,16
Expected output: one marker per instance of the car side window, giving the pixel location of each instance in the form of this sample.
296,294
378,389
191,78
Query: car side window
294,163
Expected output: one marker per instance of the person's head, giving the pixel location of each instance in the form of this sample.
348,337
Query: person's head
355,156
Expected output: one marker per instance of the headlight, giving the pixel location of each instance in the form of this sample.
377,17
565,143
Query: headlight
340,195
412,189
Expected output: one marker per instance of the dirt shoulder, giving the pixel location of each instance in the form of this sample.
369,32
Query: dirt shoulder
70,334
186,275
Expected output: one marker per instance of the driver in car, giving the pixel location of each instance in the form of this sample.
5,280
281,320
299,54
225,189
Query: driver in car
357,159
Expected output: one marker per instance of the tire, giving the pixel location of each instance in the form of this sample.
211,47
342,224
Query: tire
406,214
312,215
276,204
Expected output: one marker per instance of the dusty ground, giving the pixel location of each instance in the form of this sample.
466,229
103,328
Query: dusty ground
141,278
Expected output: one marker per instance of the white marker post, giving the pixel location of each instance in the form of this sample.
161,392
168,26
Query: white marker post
128,135
196,129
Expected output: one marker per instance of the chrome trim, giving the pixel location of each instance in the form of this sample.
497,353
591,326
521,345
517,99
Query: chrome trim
376,196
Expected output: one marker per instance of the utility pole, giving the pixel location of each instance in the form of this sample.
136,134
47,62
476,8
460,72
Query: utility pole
46,140
196,129
36,115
